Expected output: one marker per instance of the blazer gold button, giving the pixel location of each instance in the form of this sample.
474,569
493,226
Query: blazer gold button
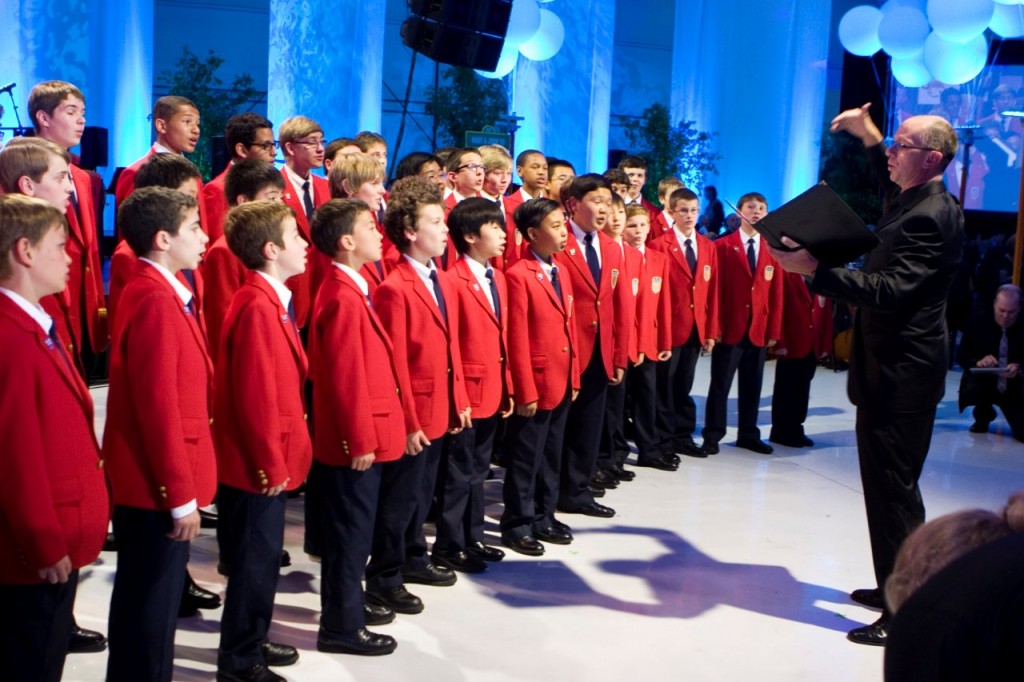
211,421
87,269
99,464
594,323
305,416
691,306
598,304
565,349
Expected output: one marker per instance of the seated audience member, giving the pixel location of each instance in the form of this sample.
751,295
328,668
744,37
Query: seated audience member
957,592
53,495
247,136
994,340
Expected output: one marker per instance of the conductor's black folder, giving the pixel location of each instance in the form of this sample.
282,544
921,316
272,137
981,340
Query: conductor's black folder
820,221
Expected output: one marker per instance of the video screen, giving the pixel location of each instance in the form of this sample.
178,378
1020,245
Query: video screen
994,141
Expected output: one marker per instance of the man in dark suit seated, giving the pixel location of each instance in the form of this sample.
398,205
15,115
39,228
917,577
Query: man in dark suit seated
983,346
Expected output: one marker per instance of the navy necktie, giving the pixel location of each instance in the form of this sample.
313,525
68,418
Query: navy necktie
190,307
591,254
691,257
307,200
557,285
190,277
291,314
380,268
74,204
494,294
751,256
60,346
439,295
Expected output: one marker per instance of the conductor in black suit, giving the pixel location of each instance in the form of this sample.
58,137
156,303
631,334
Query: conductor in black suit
995,340
899,354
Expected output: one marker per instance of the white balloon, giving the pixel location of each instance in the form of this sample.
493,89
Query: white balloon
547,41
912,72
902,31
1008,21
960,21
523,22
858,30
893,4
506,62
955,63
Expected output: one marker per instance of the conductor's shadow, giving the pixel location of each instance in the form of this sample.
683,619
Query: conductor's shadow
685,582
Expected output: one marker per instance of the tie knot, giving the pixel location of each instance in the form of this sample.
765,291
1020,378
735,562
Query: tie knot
433,275
489,274
750,242
589,239
688,242
305,185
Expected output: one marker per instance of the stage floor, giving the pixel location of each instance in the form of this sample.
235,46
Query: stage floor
735,567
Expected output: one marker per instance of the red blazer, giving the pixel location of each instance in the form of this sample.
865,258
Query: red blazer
652,210
806,321
53,496
223,275
750,302
215,202
304,286
374,274
514,247
605,307
659,227
58,306
85,282
542,346
653,306
695,300
157,440
634,266
123,267
126,185
483,341
356,388
259,425
426,355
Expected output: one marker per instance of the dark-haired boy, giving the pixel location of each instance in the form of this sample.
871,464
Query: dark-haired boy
596,267
360,434
418,307
664,222
247,136
57,110
693,280
751,296
159,450
532,169
635,168
53,496
465,168
223,274
477,228
545,380
260,434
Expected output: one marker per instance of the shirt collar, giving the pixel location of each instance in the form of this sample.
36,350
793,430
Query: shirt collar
297,181
581,235
283,292
183,292
356,277
548,268
36,312
478,270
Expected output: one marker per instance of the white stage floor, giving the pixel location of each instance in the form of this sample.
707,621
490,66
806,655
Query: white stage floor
736,567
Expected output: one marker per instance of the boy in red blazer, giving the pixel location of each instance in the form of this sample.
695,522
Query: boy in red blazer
465,169
360,430
595,265
693,280
418,307
750,290
358,176
57,110
247,136
477,229
260,433
223,273
53,496
806,339
652,340
635,168
663,223
532,169
545,380
302,143
159,450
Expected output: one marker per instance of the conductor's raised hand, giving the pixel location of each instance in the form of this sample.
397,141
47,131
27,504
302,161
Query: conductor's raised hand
858,123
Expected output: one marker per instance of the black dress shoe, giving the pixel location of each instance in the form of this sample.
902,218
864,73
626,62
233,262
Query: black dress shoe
257,673
758,446
552,535
710,448
286,558
362,642
279,655
622,474
660,463
374,614
195,598
872,598
872,635
110,544
398,599
527,545
596,492
207,519
689,449
485,552
603,479
592,509
461,561
438,576
85,641
792,441
671,457
563,527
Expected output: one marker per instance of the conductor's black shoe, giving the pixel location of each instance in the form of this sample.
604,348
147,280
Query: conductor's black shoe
870,597
872,635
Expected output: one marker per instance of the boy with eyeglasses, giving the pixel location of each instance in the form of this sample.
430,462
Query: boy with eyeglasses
247,136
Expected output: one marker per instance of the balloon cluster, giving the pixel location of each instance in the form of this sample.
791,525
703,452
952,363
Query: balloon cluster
929,40
533,32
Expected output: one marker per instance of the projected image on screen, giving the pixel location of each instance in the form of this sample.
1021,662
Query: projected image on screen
990,143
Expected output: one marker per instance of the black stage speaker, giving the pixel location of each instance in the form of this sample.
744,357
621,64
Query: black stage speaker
95,148
466,33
